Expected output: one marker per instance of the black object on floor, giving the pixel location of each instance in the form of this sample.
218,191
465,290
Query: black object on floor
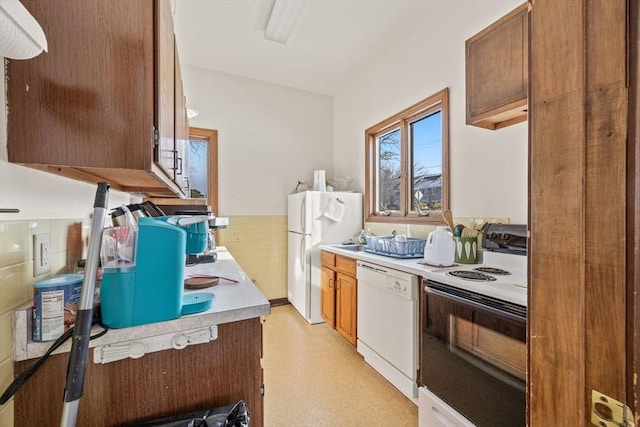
233,415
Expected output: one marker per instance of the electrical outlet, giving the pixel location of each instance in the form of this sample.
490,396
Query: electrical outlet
41,253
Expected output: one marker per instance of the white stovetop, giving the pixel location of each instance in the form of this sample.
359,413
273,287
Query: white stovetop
511,287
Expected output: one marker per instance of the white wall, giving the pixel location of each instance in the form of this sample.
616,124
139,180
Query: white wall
488,168
41,195
269,136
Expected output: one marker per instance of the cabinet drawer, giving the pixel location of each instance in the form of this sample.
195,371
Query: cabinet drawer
327,259
346,265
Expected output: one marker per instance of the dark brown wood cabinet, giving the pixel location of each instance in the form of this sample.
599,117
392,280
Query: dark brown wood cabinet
100,105
160,384
339,288
497,72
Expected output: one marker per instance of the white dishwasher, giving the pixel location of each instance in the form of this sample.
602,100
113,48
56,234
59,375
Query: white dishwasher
388,324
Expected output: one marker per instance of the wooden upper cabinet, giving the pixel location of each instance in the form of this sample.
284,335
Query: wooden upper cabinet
497,72
87,108
182,132
166,90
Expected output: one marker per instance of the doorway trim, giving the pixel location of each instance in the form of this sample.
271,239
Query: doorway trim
211,136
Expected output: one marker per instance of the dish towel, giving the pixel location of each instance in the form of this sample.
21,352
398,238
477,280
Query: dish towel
335,210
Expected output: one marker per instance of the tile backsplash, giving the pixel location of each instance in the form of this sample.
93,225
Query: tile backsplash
259,244
68,244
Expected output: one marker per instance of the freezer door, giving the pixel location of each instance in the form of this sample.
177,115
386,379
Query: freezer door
299,213
299,272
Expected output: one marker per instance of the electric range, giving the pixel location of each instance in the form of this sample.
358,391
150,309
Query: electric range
473,323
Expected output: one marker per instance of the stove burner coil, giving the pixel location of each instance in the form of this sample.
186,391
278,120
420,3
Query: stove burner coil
493,270
471,275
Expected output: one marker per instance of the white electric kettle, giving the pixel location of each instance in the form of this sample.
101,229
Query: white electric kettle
439,250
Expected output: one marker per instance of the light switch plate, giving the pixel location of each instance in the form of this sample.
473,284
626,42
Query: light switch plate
41,253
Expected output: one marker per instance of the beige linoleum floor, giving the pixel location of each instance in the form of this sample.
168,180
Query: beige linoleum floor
314,377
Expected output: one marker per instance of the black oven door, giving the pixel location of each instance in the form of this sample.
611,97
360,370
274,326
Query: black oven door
473,355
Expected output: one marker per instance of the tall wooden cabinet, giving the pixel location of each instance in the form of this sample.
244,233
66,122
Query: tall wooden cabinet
497,72
339,288
100,105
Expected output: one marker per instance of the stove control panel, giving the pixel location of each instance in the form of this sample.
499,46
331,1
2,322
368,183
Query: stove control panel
508,238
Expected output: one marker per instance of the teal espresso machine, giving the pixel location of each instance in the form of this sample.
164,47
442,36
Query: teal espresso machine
143,266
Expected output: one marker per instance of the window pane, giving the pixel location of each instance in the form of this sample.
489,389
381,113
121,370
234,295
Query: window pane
426,169
388,148
198,168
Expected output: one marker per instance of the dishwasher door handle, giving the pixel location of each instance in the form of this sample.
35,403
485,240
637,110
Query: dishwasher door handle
372,268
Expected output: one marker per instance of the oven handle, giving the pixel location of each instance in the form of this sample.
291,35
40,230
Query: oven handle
474,304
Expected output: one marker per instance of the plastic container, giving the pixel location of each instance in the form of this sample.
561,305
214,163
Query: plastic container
151,290
197,234
411,247
55,302
439,249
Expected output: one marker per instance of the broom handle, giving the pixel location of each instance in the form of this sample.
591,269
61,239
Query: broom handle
84,316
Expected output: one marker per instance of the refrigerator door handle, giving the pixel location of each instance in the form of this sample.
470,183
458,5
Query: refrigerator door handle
302,254
303,216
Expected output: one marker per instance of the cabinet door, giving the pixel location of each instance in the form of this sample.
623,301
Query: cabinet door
497,72
346,265
165,81
346,307
182,131
328,298
90,99
92,103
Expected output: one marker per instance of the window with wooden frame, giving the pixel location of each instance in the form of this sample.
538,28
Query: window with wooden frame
407,164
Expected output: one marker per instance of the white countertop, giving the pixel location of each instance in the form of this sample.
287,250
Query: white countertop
232,302
514,289
410,265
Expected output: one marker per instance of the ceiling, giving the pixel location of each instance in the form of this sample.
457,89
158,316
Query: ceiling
332,42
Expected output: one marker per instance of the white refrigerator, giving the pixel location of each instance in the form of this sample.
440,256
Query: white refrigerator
316,218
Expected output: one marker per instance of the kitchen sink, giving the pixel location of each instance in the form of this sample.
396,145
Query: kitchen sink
354,247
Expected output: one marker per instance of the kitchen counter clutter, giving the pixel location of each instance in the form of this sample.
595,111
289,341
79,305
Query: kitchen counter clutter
411,265
198,361
232,302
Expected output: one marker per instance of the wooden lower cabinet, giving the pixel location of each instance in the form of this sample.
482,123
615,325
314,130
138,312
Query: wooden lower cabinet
346,307
339,289
156,385
328,298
